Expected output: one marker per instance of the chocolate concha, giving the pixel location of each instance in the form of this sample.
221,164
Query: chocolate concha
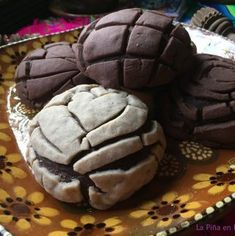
202,108
96,145
46,72
133,48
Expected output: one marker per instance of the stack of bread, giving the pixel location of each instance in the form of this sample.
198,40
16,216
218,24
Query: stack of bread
95,141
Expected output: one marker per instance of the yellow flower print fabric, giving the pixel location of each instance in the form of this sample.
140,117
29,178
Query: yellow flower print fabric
24,209
4,136
41,42
224,178
8,166
88,225
163,212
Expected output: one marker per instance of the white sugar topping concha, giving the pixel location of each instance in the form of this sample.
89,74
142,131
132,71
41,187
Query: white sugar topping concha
94,144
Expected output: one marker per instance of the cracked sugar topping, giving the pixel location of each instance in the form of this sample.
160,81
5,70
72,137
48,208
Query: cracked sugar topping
89,139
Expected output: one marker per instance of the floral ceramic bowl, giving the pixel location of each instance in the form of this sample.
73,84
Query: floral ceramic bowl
194,182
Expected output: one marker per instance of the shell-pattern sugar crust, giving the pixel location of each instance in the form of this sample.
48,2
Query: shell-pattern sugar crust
140,48
94,144
46,72
203,104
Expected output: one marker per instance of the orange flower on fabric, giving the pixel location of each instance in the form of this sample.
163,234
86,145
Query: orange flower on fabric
223,179
24,210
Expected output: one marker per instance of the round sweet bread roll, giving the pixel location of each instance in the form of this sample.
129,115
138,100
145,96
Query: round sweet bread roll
140,48
95,145
46,72
202,105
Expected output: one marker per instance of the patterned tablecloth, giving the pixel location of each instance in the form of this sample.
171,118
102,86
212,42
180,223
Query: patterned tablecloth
61,24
